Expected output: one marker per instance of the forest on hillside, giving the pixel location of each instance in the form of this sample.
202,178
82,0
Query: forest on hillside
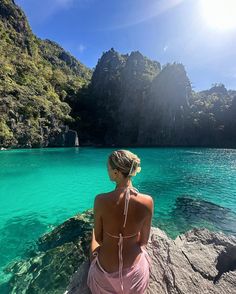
128,100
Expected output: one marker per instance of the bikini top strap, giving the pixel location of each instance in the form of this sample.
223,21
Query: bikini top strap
124,237
127,198
121,237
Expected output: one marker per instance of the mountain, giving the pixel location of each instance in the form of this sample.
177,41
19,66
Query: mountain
134,101
119,87
47,97
36,78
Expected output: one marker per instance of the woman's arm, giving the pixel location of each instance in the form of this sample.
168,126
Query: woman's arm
94,247
97,210
97,230
145,231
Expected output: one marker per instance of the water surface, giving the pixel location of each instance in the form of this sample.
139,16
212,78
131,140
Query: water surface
40,188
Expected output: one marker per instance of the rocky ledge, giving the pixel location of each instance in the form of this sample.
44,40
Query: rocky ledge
197,262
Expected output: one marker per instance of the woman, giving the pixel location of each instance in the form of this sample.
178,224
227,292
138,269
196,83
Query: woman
122,222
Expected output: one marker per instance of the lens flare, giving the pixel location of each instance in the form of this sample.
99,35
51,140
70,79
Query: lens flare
219,14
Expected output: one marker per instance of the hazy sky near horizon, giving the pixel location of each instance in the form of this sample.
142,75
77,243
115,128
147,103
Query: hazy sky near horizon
162,30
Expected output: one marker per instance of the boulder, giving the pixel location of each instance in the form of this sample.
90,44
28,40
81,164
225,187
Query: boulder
57,256
197,262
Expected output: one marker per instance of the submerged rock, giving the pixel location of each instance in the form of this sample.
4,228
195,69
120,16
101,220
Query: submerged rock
199,261
192,212
58,255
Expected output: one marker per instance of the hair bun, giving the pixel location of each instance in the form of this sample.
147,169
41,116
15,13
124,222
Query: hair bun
126,162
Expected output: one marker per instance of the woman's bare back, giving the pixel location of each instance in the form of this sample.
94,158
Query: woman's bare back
111,209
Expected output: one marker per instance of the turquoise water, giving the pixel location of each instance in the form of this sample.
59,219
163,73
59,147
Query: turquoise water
40,188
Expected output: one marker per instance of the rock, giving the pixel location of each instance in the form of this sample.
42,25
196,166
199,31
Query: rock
64,137
191,263
197,262
78,283
194,212
56,258
12,123
71,139
78,226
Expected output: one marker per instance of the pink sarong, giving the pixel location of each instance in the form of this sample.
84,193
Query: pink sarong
135,278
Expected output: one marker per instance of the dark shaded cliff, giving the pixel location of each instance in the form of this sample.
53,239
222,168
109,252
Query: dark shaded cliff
132,101
129,100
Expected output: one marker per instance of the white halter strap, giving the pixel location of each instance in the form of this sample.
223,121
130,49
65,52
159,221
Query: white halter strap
127,198
121,237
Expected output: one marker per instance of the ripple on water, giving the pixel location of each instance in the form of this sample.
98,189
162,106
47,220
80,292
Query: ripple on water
18,236
57,183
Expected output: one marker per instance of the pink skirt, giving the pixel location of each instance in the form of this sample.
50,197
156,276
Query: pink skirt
135,278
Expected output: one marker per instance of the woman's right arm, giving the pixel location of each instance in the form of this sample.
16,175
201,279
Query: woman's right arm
97,210
146,227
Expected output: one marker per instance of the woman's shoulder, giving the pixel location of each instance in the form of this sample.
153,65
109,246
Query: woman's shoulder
145,199
145,196
100,196
142,198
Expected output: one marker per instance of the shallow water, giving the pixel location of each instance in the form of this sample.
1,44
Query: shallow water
40,188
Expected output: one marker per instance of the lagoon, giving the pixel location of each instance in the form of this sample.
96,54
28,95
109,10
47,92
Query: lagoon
40,188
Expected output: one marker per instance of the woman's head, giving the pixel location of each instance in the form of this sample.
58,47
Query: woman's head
124,163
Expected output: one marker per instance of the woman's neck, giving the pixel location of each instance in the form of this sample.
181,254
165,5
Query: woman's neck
124,184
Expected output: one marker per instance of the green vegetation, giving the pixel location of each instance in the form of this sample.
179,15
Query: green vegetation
36,78
213,116
127,100
133,101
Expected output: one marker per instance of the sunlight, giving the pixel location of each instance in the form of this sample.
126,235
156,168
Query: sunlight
219,14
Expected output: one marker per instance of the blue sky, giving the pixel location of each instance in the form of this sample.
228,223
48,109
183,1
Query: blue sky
162,30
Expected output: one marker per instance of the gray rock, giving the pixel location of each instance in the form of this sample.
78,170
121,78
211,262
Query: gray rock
78,282
197,262
71,139
64,138
192,262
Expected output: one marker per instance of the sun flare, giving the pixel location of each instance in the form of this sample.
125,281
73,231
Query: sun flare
219,14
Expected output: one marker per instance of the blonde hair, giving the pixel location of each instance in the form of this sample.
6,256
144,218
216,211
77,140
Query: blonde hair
125,161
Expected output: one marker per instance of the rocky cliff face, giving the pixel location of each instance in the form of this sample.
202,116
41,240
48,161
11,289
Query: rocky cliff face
166,109
129,100
196,262
119,86
37,78
138,103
